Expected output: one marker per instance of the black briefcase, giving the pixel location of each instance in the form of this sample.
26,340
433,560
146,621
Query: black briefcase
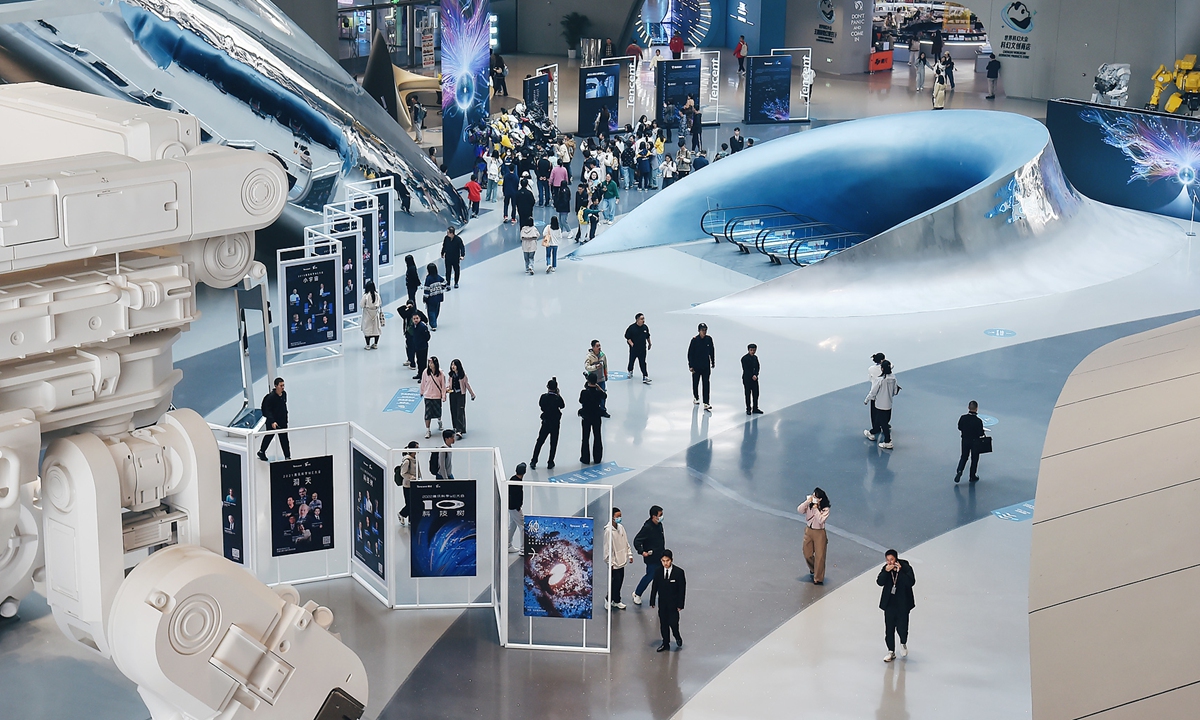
984,444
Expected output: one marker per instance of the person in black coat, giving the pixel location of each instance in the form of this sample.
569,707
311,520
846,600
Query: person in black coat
412,279
552,406
591,410
453,251
750,369
650,542
896,601
971,429
275,412
525,202
702,359
669,590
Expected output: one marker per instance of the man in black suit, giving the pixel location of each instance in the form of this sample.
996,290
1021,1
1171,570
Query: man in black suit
971,429
669,587
896,601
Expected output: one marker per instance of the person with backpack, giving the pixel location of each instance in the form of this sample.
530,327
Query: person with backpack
683,160
441,464
551,404
740,52
883,389
408,470
435,392
435,292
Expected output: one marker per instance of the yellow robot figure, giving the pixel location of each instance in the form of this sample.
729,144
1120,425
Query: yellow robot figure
1186,79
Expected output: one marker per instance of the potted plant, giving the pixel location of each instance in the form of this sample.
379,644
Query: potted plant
574,26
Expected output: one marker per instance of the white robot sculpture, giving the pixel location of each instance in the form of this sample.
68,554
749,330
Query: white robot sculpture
110,213
1111,86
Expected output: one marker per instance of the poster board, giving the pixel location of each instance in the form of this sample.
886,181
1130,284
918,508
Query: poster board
466,81
768,89
308,292
366,209
444,537
598,88
302,506
558,574
234,502
369,510
535,91
674,80
384,191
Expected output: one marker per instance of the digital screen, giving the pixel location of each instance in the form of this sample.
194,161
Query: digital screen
768,89
466,82
312,312
675,80
598,88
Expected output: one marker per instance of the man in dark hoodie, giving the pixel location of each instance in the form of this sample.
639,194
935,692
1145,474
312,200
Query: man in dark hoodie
650,542
896,601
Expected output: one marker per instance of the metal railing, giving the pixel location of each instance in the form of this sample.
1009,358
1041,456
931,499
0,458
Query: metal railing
777,233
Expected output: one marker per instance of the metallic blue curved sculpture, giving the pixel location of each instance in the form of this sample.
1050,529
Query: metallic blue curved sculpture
251,76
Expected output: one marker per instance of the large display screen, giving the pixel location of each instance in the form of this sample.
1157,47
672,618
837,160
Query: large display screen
536,93
313,316
301,505
598,88
232,490
768,89
366,481
443,528
674,81
1127,157
558,567
466,55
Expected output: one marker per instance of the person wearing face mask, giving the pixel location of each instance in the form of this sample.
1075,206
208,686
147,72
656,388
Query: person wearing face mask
618,553
650,542
815,510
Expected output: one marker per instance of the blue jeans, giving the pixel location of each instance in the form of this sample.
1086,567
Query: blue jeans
608,206
626,177
433,308
543,192
552,256
647,578
492,186
562,221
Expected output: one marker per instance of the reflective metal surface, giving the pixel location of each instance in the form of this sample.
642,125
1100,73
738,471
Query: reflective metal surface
251,76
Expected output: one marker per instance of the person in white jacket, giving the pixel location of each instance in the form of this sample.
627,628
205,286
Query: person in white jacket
883,389
529,240
550,237
618,554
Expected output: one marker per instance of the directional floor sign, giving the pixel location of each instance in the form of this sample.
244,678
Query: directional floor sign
591,474
405,400
1016,513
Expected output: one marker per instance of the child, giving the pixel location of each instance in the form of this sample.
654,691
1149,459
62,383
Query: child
591,216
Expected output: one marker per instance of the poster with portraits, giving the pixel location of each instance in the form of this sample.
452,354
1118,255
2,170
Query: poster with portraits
444,540
313,317
558,567
232,499
301,505
367,490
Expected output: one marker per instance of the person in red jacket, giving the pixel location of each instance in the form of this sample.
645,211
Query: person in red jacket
677,46
740,52
474,195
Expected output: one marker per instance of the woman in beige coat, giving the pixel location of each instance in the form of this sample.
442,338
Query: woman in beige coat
372,315
939,92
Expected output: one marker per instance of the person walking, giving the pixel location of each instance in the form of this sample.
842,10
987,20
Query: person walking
550,237
581,204
408,470
372,315
516,501
441,464
896,600
591,412
434,391
922,64
525,203
460,386
618,554
649,543
879,397
562,206
474,193
815,510
275,414
939,91
702,358
637,336
417,112
552,404
948,68
740,52
970,427
667,168
510,184
453,251
612,196
558,177
435,292
676,46
493,175
750,368
529,240
417,336
499,73
669,591
993,74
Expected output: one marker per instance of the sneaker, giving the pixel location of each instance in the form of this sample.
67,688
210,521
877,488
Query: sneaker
903,651
440,427
889,657
707,407
416,377
663,648
886,445
514,550
975,479
867,434
550,465
455,286
957,478
428,434
262,456
548,269
407,364
434,328
695,401
646,380
748,411
621,606
637,599
607,605
533,464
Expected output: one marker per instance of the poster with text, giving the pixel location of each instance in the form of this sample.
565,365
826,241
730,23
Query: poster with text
301,505
232,490
384,198
536,93
313,314
1128,157
598,88
344,228
674,80
558,567
366,209
366,481
466,82
444,541
768,89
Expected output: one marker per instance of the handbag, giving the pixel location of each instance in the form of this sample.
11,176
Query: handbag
984,444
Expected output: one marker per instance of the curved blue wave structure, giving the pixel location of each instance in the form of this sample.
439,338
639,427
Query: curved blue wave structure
961,208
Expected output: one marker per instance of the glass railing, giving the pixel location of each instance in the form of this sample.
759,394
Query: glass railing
777,233
714,221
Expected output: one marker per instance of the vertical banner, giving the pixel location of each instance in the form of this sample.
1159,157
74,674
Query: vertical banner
558,567
427,57
301,505
768,89
444,540
364,207
313,309
674,80
232,494
598,89
366,482
466,56
536,93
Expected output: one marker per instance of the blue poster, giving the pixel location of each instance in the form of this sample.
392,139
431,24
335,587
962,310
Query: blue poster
768,89
313,319
366,480
536,93
466,57
443,528
674,81
598,89
558,567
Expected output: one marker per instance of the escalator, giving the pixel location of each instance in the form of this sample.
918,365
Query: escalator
777,233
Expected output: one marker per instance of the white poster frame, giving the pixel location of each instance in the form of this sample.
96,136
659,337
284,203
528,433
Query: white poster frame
805,70
370,235
377,187
713,75
308,254
553,88
351,234
380,588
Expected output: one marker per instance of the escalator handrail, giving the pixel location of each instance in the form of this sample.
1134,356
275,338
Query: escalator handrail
750,218
793,249
760,239
728,209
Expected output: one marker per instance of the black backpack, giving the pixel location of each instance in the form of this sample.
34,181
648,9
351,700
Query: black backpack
434,463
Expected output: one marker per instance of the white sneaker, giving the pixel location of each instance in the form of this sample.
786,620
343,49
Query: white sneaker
607,605
428,434
513,550
548,269
637,599
646,381
889,657
621,605
707,407
440,428
867,434
886,445
695,402
903,651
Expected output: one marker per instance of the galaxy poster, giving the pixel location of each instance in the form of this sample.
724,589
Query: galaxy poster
1130,158
536,93
768,89
674,80
232,490
313,314
366,481
466,82
301,505
598,89
444,540
558,567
